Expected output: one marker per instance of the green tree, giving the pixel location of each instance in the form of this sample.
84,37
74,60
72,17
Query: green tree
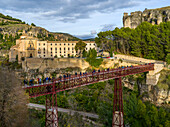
80,46
162,116
32,24
168,58
84,53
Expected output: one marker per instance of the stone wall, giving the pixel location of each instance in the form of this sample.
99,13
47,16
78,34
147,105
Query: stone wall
56,63
154,16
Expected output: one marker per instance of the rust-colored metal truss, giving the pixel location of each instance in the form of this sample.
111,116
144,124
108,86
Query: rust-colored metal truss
61,84
51,117
118,104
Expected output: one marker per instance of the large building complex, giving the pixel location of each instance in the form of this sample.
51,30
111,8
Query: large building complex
28,46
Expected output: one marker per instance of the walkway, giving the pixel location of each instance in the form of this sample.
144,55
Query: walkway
72,112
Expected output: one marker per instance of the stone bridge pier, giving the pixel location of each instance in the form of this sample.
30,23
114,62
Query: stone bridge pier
155,94
152,77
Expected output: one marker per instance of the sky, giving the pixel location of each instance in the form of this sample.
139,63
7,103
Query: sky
80,18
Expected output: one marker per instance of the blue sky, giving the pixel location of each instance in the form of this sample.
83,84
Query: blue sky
81,18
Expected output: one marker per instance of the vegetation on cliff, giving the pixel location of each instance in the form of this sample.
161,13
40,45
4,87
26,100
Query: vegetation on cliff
91,58
9,18
6,41
164,80
147,40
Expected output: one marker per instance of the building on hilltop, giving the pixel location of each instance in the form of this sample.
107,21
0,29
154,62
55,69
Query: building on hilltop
154,16
28,46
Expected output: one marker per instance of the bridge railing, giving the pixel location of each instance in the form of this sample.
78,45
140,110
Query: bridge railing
74,81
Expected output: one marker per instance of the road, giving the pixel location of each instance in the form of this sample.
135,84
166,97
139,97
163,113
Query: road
72,112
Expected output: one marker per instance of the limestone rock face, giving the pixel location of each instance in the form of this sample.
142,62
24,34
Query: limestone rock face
154,16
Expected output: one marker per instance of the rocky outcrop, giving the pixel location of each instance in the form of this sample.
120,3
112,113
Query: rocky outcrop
14,29
154,16
156,88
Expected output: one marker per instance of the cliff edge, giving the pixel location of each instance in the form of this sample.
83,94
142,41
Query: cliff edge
154,16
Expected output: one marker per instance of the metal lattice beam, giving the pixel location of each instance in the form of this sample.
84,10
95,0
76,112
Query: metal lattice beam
61,84
82,80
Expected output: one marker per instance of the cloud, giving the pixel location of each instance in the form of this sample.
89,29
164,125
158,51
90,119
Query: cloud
107,27
85,36
64,10
93,32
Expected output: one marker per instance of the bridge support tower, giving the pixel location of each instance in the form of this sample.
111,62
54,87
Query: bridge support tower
118,104
51,118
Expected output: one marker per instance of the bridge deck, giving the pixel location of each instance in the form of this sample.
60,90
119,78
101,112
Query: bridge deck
74,81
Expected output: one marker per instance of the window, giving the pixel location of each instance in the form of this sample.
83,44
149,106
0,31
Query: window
64,52
55,51
44,55
60,48
60,51
64,48
68,48
60,43
44,52
90,44
51,52
44,49
64,44
68,44
86,48
51,55
51,44
51,48
55,48
39,44
44,43
72,48
55,43
72,44
72,51
94,44
39,51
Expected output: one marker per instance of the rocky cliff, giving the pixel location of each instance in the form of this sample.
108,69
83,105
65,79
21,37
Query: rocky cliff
154,16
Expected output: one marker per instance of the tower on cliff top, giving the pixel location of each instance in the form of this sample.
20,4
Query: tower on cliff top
125,14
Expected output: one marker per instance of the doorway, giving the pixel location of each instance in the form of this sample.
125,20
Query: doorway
30,55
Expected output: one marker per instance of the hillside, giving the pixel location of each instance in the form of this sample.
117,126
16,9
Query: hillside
14,27
4,20
162,8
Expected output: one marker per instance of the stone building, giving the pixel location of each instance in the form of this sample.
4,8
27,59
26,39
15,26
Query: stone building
28,46
154,16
